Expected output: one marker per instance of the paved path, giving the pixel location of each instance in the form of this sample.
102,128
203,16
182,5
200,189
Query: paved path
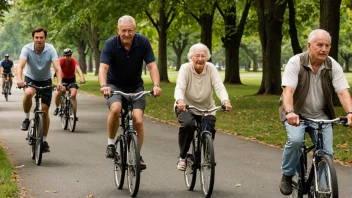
76,166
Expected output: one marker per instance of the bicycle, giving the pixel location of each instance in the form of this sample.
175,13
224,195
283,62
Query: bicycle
36,125
321,180
7,85
67,113
127,154
202,155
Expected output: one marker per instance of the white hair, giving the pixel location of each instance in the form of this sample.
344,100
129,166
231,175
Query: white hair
126,19
313,34
198,46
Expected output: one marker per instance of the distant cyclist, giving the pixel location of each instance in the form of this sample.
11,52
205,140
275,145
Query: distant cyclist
68,67
7,68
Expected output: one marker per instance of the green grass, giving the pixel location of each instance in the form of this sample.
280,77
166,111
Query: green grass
8,188
253,116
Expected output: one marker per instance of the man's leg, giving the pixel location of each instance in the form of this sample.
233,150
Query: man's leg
138,125
113,125
290,157
27,105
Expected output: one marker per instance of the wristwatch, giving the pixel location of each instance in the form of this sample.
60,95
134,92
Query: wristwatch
156,85
101,86
289,111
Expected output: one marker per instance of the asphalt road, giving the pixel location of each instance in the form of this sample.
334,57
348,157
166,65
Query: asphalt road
76,166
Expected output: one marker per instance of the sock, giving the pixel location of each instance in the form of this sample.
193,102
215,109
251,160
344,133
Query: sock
27,115
44,138
111,141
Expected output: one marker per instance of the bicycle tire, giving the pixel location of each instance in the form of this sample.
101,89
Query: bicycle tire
207,165
299,179
190,174
133,165
71,116
6,92
326,177
39,138
31,135
63,115
119,163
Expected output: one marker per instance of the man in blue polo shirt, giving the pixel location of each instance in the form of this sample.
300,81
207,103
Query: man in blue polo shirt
7,67
38,56
121,64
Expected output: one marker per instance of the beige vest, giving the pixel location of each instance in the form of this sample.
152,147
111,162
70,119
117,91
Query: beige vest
303,87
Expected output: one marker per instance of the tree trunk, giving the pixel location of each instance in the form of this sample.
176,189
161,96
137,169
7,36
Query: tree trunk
82,55
90,65
93,38
162,61
296,48
330,21
270,17
206,24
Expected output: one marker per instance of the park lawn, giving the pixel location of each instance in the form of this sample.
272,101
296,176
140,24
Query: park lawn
253,116
8,188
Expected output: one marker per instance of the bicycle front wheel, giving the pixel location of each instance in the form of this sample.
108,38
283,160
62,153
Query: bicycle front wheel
325,183
39,130
119,163
133,165
207,165
6,92
63,114
190,174
71,117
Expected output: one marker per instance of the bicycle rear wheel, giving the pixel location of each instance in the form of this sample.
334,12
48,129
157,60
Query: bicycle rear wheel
325,184
299,179
119,163
190,174
64,114
71,116
31,137
133,165
39,129
207,165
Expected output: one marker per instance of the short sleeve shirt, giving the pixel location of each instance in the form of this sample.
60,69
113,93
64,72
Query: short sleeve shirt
6,65
38,65
125,66
315,101
68,68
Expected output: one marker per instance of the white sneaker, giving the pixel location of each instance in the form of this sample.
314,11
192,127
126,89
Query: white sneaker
181,164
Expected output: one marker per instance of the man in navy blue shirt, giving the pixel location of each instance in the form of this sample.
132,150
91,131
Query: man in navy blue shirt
121,64
7,67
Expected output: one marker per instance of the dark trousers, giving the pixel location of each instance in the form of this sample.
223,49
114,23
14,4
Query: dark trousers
188,126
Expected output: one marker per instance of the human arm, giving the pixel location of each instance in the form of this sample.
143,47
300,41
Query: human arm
287,98
181,86
154,74
58,72
346,102
219,87
103,70
78,69
19,70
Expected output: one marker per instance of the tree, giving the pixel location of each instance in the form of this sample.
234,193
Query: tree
167,13
330,21
4,7
232,37
271,17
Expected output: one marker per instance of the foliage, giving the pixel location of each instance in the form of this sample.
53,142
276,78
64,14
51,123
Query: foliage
8,188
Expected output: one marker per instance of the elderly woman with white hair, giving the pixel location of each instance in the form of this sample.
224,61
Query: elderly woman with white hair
195,84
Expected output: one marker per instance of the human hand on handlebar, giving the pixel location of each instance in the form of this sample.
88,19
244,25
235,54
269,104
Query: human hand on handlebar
227,105
106,91
180,105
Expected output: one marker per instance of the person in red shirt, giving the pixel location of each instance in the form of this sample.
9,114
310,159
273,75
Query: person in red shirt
68,67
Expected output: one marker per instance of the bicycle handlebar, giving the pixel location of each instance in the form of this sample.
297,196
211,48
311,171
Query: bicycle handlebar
206,110
38,88
338,121
133,96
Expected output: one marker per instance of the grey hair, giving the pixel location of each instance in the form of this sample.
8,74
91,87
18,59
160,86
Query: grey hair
198,46
313,34
126,19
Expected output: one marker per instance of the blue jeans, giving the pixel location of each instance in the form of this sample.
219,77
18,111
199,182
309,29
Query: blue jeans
291,154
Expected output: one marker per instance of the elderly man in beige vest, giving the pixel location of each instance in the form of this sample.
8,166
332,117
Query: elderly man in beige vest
308,83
